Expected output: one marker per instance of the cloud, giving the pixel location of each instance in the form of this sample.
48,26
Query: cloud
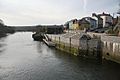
27,12
85,5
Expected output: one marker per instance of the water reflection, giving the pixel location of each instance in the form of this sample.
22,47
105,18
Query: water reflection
2,45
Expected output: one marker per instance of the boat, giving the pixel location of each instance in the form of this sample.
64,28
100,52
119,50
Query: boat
44,38
38,36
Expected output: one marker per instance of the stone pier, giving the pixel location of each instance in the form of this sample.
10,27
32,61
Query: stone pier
78,44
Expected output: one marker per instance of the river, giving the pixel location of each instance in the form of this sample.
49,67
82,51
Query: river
22,58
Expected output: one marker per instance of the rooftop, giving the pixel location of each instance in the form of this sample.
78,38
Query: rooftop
104,14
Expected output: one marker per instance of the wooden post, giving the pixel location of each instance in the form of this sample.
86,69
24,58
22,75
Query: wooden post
64,45
51,37
59,42
70,45
55,38
87,52
79,48
99,51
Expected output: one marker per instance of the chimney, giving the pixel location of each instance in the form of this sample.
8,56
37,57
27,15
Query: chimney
93,14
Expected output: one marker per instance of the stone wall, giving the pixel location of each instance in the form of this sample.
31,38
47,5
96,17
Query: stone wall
87,48
91,48
111,48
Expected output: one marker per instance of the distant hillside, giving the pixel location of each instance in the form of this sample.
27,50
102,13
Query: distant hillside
24,28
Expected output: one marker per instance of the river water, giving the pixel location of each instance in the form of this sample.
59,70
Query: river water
21,58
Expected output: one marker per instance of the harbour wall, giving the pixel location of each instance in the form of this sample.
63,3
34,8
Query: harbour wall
110,46
71,43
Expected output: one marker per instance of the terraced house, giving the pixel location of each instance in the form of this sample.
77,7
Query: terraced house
84,23
98,19
93,22
72,24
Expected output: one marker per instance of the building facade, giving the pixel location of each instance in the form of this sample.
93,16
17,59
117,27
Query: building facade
99,20
84,24
93,22
72,24
107,19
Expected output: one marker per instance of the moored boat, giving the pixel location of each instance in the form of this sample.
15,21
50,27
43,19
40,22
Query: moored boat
38,36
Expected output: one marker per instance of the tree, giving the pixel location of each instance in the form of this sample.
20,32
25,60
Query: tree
1,23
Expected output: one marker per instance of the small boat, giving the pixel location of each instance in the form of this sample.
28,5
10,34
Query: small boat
38,36
44,38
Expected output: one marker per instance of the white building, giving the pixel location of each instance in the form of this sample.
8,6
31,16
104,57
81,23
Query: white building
107,19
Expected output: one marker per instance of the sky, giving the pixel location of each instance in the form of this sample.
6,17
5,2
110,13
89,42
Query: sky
36,12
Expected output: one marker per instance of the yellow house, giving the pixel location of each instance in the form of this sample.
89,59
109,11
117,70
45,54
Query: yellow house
80,24
76,25
73,24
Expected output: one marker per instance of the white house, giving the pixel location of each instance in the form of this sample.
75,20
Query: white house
107,19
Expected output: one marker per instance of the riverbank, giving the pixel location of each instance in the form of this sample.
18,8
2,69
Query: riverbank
4,30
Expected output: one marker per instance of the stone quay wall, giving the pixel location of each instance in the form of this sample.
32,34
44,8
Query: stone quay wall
110,46
72,44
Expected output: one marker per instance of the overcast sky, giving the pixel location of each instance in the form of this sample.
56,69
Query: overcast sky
33,12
